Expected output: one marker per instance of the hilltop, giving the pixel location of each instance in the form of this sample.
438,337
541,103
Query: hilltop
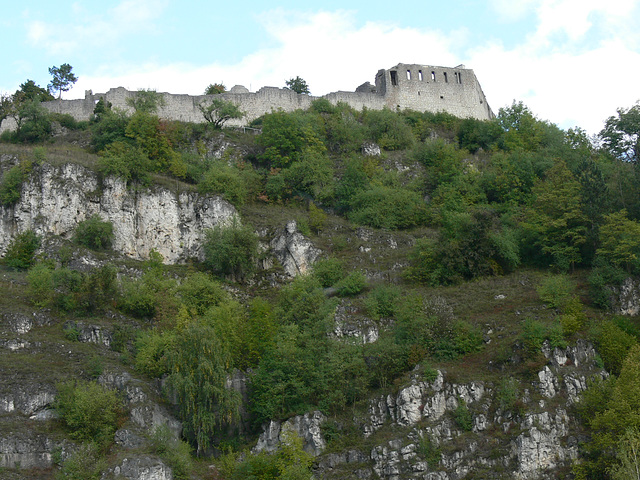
337,294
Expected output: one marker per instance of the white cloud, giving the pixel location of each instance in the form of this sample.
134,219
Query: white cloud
573,72
85,31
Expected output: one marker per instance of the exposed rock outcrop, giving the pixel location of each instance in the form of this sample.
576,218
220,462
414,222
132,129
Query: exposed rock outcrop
306,426
56,198
293,250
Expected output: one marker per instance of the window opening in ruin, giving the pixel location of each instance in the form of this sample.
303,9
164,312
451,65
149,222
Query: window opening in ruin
433,76
408,74
420,75
446,80
460,78
441,97
394,77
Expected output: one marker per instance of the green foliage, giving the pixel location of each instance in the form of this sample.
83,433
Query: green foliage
430,451
109,126
20,253
382,301
601,280
198,365
286,136
328,271
152,350
152,136
175,452
462,416
556,290
231,250
534,333
89,411
612,344
128,162
474,135
146,101
11,185
33,122
298,85
522,130
620,241
612,410
288,462
388,129
621,134
86,463
224,180
387,207
352,284
215,89
199,292
507,394
471,244
555,223
217,112
63,79
94,233
442,160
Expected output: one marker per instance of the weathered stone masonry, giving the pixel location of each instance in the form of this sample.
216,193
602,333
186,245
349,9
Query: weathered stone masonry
417,87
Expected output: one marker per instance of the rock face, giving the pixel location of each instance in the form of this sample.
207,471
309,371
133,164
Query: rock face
534,440
306,426
626,299
143,467
295,252
56,198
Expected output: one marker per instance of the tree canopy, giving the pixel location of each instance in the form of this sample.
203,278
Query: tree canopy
298,85
63,79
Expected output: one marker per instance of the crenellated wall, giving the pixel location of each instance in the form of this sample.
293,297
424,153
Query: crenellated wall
405,86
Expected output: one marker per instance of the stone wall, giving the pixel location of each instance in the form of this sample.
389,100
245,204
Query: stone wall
417,87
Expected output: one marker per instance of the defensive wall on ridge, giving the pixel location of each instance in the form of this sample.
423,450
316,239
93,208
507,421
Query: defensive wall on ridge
406,86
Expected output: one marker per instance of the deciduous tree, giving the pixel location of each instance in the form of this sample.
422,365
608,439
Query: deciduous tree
217,111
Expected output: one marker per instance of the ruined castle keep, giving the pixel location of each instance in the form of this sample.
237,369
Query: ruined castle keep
417,87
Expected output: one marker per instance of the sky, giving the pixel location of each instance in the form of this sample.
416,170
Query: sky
572,62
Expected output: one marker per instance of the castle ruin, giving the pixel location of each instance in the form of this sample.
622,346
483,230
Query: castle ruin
406,86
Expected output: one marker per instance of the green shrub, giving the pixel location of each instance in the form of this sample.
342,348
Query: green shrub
328,271
175,452
40,280
387,207
381,301
126,161
89,411
533,335
21,251
507,394
388,129
94,233
138,299
11,186
231,250
152,349
199,292
86,463
430,451
556,290
352,284
602,279
612,344
226,181
462,416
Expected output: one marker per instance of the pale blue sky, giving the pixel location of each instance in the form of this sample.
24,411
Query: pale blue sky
573,62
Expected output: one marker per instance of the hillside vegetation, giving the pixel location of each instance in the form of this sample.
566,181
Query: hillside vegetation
467,246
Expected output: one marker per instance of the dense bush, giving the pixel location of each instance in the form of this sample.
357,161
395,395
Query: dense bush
86,463
352,284
387,207
175,452
94,233
21,250
328,271
11,185
231,250
89,411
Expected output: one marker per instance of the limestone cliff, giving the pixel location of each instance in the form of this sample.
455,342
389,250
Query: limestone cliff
55,199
